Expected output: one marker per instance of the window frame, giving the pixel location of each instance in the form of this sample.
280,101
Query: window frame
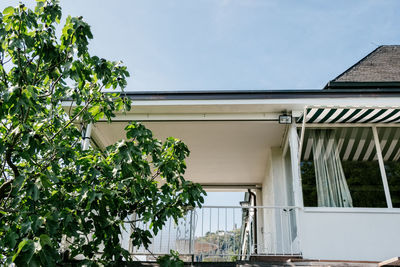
378,149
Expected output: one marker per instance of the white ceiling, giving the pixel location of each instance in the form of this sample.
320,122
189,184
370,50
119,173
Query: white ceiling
222,152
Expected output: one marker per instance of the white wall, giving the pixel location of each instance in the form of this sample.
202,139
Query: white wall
344,234
274,236
273,187
267,184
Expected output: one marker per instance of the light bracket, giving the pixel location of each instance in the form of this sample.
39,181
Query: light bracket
285,119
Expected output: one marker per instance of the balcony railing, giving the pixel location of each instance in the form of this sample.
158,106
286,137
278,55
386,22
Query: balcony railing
224,233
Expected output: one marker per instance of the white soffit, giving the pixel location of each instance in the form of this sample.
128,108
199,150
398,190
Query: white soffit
222,152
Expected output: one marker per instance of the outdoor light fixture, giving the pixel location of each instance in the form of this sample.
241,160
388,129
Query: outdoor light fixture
244,203
285,119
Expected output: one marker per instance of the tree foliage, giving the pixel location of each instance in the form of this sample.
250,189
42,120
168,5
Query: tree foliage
55,196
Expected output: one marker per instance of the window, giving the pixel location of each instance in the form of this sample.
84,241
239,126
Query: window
339,168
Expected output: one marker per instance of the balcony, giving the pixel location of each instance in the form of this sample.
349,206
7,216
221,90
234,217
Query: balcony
222,234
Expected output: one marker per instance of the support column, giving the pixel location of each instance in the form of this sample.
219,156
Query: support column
296,176
86,137
295,160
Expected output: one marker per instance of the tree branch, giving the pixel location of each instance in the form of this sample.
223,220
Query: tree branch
9,161
72,120
52,87
4,189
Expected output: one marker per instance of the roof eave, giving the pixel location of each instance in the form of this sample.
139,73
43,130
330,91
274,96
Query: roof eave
272,94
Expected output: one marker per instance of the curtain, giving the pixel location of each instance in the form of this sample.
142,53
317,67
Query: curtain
332,189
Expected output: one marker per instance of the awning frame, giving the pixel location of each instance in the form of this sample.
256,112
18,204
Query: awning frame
304,124
374,126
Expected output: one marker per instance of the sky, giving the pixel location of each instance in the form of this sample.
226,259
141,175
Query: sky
235,44
171,45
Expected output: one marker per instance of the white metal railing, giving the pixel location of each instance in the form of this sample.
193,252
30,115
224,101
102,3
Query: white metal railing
224,233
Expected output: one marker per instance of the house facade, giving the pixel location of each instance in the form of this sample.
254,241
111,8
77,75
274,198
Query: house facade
321,167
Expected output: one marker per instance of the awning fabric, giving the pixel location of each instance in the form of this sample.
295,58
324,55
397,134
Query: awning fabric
351,115
357,143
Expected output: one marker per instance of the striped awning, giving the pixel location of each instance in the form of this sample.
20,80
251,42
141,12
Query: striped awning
351,115
357,143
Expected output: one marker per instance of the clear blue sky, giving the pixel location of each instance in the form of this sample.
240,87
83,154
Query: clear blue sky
236,44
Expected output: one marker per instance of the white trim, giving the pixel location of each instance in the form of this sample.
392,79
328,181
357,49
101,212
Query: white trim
292,103
351,210
262,116
250,207
382,168
337,102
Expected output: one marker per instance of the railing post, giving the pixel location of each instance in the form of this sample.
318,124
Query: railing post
190,234
250,251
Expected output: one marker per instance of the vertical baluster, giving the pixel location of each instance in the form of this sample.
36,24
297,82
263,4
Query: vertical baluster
217,232
281,219
185,234
202,221
177,236
234,231
169,235
250,234
190,232
160,233
260,239
145,227
210,222
290,231
225,234
275,229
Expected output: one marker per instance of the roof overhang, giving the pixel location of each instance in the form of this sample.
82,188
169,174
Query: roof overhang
229,133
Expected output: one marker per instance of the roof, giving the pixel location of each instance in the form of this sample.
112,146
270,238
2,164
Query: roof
263,94
379,69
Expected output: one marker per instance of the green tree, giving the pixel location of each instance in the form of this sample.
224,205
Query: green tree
52,192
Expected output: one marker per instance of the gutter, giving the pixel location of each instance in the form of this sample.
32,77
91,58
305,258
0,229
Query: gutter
257,94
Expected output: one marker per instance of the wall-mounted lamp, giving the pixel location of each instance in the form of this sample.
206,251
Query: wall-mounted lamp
285,119
244,204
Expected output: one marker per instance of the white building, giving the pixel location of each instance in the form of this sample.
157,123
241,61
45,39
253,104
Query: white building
335,175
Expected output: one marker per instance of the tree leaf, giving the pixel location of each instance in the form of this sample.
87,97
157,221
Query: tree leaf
8,11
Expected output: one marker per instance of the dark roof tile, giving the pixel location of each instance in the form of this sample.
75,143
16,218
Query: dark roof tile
380,67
